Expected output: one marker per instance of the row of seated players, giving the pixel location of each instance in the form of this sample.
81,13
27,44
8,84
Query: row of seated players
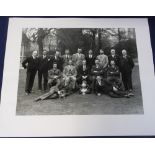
85,80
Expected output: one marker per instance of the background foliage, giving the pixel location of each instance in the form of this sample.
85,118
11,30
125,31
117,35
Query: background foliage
52,39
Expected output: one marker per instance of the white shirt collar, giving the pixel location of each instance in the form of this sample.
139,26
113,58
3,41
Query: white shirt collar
44,56
33,57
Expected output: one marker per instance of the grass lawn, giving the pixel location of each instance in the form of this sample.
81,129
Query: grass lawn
77,104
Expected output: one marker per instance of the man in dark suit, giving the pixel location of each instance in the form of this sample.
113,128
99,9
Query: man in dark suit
96,72
31,63
43,71
83,73
56,59
106,87
113,74
90,59
113,56
126,65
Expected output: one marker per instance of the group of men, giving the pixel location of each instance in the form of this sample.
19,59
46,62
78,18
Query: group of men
86,73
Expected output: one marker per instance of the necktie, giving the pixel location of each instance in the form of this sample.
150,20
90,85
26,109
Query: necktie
84,67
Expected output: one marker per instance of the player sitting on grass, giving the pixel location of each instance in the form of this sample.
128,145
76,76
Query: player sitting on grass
106,87
59,91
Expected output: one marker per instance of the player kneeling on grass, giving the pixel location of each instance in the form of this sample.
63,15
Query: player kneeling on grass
106,87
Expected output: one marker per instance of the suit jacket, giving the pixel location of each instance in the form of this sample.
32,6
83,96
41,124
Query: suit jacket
90,61
57,60
69,70
43,64
32,64
52,73
82,72
96,71
77,60
113,71
115,58
105,85
126,64
66,59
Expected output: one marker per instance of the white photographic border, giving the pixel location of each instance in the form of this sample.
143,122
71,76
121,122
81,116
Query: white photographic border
12,125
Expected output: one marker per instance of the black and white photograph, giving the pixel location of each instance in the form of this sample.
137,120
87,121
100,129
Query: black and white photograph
79,71
77,77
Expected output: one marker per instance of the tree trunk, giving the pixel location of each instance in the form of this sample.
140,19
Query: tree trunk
93,42
40,44
119,35
99,39
41,35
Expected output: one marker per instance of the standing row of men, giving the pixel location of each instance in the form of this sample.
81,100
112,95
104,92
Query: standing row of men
74,68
